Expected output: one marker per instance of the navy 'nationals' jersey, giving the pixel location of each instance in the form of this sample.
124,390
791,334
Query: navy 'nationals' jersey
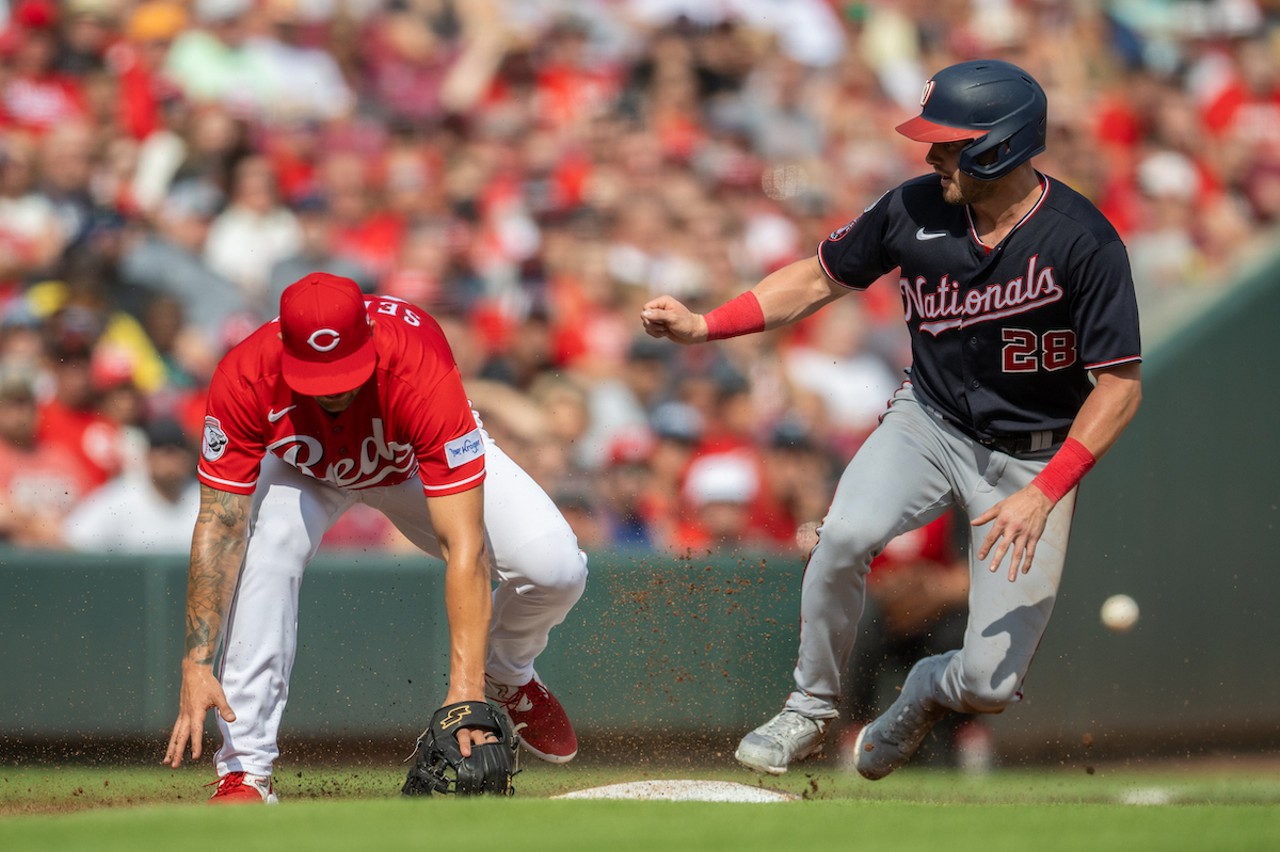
1001,339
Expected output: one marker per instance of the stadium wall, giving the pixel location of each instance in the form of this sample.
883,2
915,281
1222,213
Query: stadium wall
1183,515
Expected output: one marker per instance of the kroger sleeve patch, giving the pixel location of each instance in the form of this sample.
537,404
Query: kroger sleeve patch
468,448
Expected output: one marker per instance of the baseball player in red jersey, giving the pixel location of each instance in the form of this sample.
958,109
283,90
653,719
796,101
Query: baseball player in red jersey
340,400
1019,300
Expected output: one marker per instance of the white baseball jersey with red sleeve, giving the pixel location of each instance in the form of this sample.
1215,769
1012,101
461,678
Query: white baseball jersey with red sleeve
411,418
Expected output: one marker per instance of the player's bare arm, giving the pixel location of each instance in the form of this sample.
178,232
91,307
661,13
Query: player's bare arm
217,551
459,523
785,295
1109,408
1018,521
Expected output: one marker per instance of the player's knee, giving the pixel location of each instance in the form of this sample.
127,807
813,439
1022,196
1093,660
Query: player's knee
852,541
553,567
571,578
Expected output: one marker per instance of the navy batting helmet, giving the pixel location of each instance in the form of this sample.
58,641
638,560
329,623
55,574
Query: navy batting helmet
996,104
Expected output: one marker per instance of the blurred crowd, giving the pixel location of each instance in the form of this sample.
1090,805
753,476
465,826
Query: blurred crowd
531,172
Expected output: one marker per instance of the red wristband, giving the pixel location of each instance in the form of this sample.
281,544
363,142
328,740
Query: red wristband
1065,470
740,315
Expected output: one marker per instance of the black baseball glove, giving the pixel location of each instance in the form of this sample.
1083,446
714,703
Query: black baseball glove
439,766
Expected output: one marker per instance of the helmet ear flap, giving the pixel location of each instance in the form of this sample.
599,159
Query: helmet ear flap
995,155
982,154
987,158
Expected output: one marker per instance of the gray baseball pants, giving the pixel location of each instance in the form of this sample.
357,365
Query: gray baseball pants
910,470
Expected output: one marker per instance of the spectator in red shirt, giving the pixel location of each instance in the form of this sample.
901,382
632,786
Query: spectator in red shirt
39,481
362,229
571,88
719,491
70,419
1246,107
139,60
36,97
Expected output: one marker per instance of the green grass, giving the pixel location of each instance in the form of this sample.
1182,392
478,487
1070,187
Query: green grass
1198,808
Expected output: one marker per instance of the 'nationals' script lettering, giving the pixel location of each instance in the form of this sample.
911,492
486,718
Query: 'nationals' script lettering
946,306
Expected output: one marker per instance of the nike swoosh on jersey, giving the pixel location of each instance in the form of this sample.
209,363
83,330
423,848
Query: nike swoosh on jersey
273,416
922,234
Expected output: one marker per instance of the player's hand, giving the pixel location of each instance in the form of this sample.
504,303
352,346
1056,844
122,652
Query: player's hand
468,737
1017,522
667,317
200,691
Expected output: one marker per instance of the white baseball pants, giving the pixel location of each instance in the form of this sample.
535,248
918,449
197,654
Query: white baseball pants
539,570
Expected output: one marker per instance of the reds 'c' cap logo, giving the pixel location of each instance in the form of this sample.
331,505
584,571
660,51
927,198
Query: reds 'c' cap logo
328,343
324,340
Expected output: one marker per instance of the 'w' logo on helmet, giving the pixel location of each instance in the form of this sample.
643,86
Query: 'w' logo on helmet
455,716
924,95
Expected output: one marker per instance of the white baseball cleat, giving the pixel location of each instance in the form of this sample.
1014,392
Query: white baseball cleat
894,736
782,740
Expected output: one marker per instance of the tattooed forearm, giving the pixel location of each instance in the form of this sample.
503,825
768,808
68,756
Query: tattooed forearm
202,638
222,507
217,549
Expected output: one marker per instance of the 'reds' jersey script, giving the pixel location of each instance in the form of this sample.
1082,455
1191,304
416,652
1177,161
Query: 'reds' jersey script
411,418
1002,339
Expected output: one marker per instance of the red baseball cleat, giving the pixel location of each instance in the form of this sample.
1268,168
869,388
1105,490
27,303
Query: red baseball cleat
240,788
537,717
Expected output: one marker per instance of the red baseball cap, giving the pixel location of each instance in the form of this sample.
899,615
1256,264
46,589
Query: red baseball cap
328,343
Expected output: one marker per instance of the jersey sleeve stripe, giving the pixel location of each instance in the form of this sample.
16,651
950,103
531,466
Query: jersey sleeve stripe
228,483
1115,362
451,486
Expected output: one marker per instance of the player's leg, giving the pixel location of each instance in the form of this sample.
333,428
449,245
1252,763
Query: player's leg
881,660
945,634
290,515
1006,621
897,481
541,571
540,574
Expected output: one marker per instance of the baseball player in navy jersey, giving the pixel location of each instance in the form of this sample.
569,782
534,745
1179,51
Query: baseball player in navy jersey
340,400
1025,369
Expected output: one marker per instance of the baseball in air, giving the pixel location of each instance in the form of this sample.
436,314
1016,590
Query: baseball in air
1119,613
